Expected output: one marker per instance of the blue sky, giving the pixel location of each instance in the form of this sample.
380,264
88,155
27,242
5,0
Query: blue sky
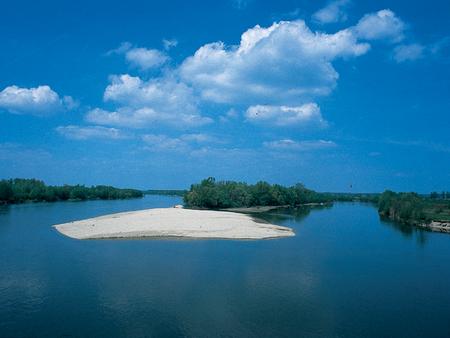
341,95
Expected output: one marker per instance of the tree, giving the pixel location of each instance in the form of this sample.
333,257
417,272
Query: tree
6,192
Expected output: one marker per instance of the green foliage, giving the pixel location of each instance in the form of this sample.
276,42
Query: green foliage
21,190
166,192
228,194
406,207
6,192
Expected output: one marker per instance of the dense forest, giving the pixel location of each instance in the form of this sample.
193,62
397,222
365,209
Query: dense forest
22,190
165,192
413,208
212,194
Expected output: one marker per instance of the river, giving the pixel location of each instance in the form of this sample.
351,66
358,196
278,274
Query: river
346,273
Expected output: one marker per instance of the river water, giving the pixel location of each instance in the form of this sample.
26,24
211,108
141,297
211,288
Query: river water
346,273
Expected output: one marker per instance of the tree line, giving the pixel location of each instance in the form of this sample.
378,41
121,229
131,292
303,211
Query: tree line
212,194
20,190
405,207
165,192
444,195
413,208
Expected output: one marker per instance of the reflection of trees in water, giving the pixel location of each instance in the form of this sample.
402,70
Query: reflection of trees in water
289,213
4,208
407,230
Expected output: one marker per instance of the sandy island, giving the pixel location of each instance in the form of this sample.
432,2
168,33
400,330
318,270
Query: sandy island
174,222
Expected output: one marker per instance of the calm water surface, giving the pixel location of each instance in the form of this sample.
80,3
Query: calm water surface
345,274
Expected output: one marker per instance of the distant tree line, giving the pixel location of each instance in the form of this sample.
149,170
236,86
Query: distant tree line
445,195
165,192
22,190
350,197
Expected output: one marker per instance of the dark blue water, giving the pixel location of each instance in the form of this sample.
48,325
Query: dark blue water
345,274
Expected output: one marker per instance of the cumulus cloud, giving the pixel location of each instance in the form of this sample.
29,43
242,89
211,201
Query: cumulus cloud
383,24
307,114
90,132
143,58
291,145
285,63
146,59
412,52
275,72
39,101
333,12
147,103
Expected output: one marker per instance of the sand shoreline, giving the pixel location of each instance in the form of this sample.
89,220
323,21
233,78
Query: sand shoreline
172,223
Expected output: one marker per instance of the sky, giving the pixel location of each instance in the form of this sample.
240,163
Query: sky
344,95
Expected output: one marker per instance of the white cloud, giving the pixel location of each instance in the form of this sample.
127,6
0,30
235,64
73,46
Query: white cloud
307,114
277,72
146,59
143,58
335,11
90,132
39,101
124,117
143,118
186,142
231,114
415,51
122,49
410,52
163,142
382,25
164,93
285,63
169,43
147,103
290,145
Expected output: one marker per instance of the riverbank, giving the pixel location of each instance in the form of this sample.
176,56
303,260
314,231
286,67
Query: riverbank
437,226
174,222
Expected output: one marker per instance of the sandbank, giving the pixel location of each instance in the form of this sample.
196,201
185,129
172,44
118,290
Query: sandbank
174,222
